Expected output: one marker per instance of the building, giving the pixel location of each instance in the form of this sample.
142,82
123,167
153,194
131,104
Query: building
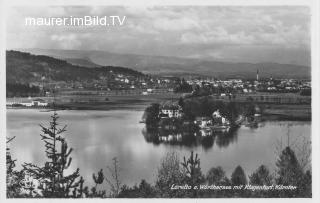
171,110
218,118
28,102
39,102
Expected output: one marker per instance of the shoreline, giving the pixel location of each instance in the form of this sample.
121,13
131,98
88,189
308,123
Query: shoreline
268,116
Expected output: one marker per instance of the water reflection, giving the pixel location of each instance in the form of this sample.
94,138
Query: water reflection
190,138
98,136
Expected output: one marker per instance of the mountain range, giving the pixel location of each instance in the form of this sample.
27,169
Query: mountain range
175,66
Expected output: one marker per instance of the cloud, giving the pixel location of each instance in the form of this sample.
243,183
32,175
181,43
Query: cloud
180,24
182,31
68,41
218,35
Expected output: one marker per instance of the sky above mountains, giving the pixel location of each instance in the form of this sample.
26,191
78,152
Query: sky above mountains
222,33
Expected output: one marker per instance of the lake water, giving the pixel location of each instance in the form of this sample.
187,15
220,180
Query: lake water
98,136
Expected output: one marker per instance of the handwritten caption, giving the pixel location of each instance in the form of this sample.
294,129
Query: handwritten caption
233,187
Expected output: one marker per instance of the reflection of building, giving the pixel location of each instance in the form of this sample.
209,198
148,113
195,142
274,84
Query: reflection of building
171,138
205,132
171,110
217,117
203,122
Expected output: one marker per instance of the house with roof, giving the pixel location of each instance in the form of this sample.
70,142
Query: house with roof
170,110
203,122
39,102
218,118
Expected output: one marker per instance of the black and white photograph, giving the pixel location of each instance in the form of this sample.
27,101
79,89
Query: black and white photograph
171,101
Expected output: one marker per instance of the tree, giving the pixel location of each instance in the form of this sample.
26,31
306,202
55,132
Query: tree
114,182
183,87
144,190
238,177
51,177
230,111
193,172
288,168
169,173
289,172
306,185
151,115
216,175
250,109
98,180
261,176
13,177
181,102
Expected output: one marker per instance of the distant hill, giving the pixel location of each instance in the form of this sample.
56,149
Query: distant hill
25,68
82,62
174,66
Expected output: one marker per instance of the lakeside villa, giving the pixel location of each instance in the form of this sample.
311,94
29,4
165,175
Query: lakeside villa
170,110
217,123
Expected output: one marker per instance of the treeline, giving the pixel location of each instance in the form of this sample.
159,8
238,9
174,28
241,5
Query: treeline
51,180
183,86
184,179
203,106
306,92
123,70
21,90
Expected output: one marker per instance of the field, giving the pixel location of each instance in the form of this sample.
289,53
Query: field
97,102
271,110
287,112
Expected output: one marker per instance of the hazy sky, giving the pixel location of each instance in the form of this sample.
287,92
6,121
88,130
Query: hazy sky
238,34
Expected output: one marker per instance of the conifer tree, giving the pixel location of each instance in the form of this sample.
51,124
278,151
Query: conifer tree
289,172
261,176
238,177
53,182
193,172
13,177
98,180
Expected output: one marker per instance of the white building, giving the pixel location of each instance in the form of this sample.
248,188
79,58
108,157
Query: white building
171,110
217,116
39,102
31,103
